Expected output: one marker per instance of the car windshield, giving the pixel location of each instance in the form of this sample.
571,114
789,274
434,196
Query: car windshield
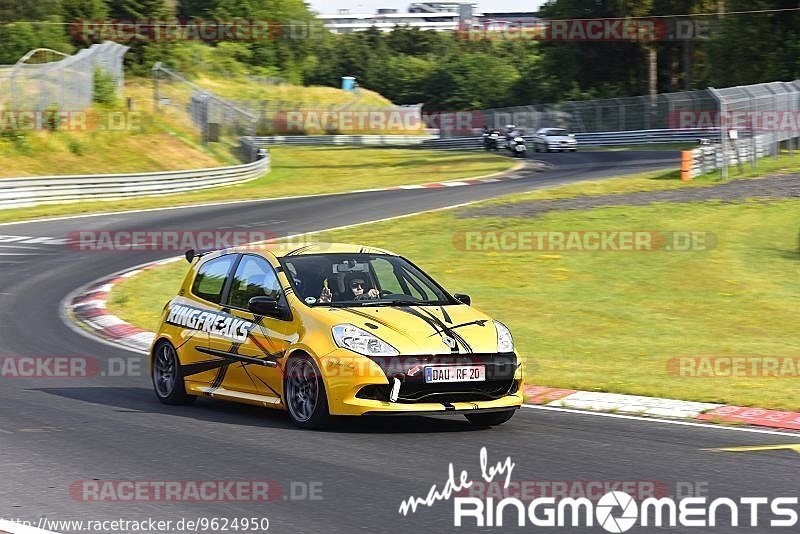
360,280
556,131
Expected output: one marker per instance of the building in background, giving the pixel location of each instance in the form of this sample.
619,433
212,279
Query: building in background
437,16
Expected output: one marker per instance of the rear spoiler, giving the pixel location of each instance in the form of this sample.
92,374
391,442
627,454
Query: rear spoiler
191,254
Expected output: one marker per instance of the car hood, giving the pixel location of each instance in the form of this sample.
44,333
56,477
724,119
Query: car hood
417,330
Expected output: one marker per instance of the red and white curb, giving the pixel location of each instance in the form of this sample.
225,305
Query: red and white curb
453,183
87,308
658,407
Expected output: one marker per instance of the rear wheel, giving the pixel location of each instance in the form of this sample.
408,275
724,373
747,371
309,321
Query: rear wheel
304,391
167,375
491,418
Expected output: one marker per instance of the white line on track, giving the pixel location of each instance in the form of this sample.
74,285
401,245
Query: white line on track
19,528
665,421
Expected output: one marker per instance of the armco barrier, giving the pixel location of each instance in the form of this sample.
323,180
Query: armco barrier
368,140
708,158
595,139
23,192
473,142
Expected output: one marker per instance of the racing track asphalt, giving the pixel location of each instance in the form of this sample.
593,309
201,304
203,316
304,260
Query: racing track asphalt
54,432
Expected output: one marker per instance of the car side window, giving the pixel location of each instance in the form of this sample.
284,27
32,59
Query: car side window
254,277
211,278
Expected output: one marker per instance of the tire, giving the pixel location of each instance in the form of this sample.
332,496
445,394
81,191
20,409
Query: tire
491,418
304,393
167,376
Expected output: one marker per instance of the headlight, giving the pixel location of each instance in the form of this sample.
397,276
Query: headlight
505,343
351,337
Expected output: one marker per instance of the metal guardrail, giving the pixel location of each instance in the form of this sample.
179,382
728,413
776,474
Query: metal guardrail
24,192
595,139
370,140
708,158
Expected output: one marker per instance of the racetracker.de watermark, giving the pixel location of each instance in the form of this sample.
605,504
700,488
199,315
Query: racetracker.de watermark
407,119
178,240
527,490
194,491
583,241
70,120
768,120
206,30
587,30
68,366
734,366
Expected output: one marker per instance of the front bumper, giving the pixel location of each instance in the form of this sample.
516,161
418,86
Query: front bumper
562,146
358,385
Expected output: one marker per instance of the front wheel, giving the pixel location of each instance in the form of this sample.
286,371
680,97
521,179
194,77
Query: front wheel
491,418
167,376
304,392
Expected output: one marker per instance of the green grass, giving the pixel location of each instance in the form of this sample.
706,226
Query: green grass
149,145
306,171
241,88
141,298
608,321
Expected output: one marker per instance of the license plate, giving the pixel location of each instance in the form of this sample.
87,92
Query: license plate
456,373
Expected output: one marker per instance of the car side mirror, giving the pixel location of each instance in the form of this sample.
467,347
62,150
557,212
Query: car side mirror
463,298
264,306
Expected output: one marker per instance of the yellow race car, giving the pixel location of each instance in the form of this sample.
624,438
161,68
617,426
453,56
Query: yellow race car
329,329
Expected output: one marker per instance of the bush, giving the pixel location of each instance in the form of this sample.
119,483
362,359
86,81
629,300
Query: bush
76,147
19,139
105,87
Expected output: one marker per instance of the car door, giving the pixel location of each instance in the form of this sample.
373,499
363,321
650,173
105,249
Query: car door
194,314
257,371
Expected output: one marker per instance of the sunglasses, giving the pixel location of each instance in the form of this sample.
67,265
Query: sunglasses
357,284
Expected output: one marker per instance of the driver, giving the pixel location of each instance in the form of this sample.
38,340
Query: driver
356,286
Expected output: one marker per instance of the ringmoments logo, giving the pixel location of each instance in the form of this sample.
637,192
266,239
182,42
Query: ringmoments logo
615,511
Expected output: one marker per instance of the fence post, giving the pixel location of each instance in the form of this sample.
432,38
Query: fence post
156,87
723,132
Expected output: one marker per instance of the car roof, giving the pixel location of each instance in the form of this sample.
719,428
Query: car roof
297,248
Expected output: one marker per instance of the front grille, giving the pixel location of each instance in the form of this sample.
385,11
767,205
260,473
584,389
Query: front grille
454,391
500,370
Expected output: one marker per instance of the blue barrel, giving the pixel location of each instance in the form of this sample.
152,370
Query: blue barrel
348,83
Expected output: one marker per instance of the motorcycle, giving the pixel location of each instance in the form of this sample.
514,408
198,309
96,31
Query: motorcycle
516,144
491,140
